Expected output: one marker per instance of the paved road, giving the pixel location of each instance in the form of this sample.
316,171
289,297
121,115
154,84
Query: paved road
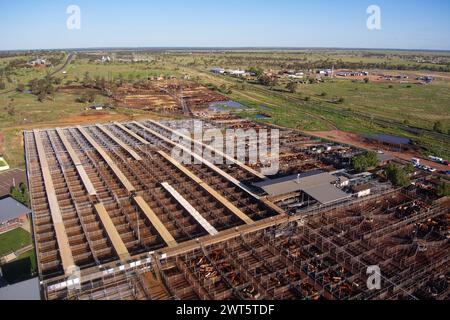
68,61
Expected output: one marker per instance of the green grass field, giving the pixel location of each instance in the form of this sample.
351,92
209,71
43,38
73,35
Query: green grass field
14,240
31,256
419,106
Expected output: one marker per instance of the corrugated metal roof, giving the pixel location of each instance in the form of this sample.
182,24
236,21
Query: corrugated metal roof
317,184
11,209
26,290
327,194
295,183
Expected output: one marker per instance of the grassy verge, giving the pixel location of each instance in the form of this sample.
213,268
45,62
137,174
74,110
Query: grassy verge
14,240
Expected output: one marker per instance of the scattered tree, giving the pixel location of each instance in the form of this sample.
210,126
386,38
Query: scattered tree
338,100
365,161
397,175
265,80
292,87
20,194
443,189
88,97
20,87
438,127
225,89
88,81
257,71
43,87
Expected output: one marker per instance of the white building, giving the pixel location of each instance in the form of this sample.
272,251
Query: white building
218,70
238,73
37,62
362,190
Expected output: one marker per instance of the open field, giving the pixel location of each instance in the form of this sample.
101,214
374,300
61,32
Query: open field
365,108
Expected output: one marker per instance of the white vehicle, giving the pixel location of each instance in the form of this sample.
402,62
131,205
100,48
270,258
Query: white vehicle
415,162
436,159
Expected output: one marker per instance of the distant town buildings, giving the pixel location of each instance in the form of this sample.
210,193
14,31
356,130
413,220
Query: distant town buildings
105,59
352,74
37,62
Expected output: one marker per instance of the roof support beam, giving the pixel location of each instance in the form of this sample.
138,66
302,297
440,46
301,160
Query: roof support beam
131,133
76,160
119,174
120,143
60,230
113,234
154,220
189,208
241,215
238,163
199,158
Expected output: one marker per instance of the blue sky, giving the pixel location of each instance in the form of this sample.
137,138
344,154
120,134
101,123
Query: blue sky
406,24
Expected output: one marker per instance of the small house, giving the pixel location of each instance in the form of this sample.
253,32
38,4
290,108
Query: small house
12,214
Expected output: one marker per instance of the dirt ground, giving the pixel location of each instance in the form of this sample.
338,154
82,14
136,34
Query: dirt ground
377,76
98,117
2,141
358,141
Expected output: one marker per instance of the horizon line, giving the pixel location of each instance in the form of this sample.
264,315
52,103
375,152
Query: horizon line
227,48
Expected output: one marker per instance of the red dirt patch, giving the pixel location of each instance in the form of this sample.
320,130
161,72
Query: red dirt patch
358,141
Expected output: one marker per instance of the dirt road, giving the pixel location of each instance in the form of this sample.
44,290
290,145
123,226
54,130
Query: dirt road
68,61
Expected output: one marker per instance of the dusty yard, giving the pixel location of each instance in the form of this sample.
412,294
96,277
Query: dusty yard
358,141
13,137
2,141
